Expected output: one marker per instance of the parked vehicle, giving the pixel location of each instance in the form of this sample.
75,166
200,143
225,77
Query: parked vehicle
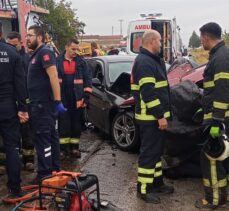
111,106
19,15
181,68
172,46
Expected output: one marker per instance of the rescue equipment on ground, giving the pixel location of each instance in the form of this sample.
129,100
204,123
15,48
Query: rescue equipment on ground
216,148
61,191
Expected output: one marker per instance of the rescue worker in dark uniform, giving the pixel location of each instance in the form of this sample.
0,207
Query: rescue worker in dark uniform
75,81
151,93
216,111
12,109
45,102
2,151
14,38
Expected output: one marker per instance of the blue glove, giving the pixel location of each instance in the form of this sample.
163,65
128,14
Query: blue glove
60,107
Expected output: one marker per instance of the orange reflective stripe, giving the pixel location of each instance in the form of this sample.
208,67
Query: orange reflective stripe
60,80
88,89
78,81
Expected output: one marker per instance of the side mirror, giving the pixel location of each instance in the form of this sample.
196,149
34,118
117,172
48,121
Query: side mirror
96,82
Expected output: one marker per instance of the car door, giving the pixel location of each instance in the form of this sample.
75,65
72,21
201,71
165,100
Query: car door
98,109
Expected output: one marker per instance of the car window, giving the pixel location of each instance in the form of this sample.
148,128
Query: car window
136,41
116,68
99,73
92,67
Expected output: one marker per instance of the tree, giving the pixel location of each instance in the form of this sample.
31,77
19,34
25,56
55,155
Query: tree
65,24
194,41
226,38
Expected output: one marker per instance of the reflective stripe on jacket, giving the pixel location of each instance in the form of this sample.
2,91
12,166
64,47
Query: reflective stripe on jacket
150,87
216,84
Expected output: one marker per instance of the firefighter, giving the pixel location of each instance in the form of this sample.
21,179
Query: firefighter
151,93
216,111
75,80
45,103
14,38
12,109
2,151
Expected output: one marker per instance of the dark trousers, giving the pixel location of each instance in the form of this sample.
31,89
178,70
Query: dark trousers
70,127
10,131
150,174
27,143
45,137
215,178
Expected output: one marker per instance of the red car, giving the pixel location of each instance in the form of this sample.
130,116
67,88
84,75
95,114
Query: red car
184,69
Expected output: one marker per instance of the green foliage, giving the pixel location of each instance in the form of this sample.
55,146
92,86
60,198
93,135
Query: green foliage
226,38
194,41
63,19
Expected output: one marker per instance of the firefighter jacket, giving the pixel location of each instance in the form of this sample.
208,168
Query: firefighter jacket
216,84
150,87
12,80
82,79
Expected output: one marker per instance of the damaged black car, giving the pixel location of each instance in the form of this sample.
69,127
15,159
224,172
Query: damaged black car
111,108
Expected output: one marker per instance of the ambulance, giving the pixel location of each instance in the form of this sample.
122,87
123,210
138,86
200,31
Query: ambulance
171,42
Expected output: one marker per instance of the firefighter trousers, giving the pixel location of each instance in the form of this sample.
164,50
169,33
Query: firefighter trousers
45,137
70,126
10,131
215,178
150,175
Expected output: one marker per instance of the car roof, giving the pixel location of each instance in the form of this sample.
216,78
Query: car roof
115,58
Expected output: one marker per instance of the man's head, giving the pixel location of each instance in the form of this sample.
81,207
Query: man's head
94,45
72,48
14,38
151,40
35,37
210,35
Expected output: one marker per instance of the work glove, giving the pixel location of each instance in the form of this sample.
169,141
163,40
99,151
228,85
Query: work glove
215,129
60,107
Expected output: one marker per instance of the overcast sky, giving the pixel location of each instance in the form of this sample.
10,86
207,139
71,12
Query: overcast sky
101,15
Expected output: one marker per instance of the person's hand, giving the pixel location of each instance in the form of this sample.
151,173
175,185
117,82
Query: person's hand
86,99
60,107
163,124
23,116
215,131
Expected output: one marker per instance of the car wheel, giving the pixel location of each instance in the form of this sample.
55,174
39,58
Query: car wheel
125,132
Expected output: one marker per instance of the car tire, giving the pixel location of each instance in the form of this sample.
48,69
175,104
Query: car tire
125,132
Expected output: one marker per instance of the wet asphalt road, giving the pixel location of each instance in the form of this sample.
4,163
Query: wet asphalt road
116,171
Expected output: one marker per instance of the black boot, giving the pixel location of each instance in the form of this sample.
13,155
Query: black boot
15,193
149,197
164,189
204,204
